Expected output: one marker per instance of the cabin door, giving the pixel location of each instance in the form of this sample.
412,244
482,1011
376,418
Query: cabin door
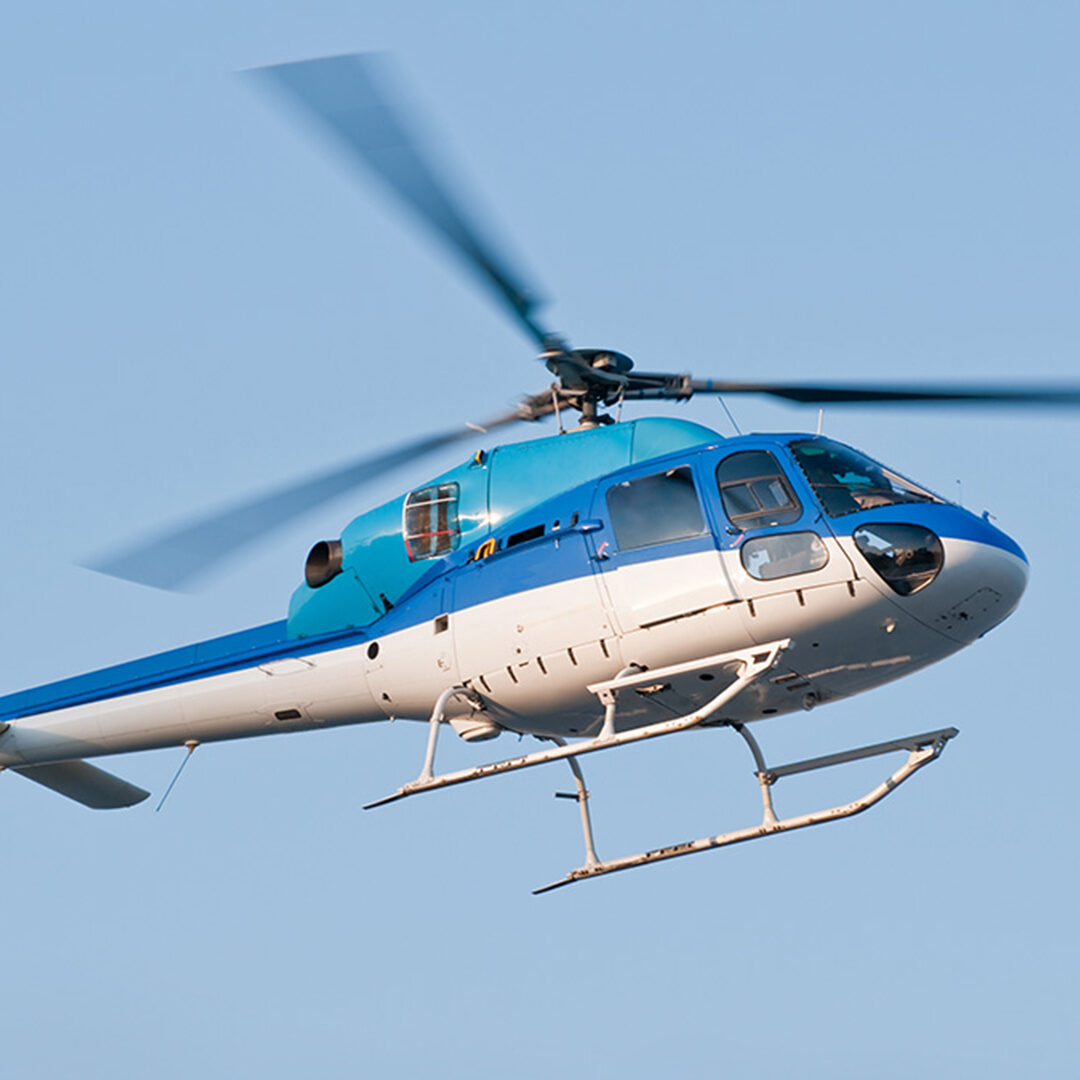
656,555
781,556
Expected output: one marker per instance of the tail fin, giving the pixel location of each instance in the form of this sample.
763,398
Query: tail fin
84,783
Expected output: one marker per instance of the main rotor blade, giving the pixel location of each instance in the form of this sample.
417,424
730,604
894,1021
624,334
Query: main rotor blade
1067,395
348,97
173,559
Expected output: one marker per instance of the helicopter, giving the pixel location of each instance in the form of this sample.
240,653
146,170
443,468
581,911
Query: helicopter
613,583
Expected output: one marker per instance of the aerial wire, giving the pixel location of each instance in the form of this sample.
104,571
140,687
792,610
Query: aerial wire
724,405
191,744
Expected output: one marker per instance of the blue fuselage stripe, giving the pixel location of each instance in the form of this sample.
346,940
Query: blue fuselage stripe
217,656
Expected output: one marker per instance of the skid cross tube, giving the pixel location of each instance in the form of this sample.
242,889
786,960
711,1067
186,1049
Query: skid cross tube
751,663
922,749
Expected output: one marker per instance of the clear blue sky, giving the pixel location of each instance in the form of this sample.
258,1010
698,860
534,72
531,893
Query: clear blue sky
197,301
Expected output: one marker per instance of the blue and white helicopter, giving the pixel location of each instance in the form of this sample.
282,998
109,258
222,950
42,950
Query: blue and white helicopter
606,585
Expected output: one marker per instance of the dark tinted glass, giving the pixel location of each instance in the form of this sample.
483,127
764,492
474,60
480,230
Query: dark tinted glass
906,557
755,491
655,509
846,481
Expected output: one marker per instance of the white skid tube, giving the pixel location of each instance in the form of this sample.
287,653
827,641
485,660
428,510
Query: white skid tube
922,750
751,663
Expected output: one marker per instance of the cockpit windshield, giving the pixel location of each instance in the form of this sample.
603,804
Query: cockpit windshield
846,481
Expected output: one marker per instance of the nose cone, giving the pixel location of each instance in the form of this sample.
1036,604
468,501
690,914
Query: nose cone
983,573
984,581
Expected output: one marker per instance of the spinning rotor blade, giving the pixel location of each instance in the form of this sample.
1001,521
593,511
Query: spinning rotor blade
654,385
348,97
172,559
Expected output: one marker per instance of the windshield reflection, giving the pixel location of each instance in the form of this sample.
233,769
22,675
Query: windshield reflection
846,481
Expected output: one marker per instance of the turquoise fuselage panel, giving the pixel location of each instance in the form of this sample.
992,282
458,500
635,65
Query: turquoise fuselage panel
376,569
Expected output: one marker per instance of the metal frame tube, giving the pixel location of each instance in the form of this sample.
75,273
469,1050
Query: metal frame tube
582,797
922,750
751,662
437,715
609,708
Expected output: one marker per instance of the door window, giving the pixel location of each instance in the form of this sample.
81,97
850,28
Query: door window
755,492
779,555
655,509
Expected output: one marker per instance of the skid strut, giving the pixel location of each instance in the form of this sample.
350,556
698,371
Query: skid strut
743,667
749,664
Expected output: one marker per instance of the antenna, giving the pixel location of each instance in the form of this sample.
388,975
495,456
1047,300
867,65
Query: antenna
729,416
190,744
820,419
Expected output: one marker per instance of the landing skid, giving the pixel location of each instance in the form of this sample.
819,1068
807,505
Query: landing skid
742,667
922,750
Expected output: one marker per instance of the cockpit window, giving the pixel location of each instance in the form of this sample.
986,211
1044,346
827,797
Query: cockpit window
431,521
755,491
846,481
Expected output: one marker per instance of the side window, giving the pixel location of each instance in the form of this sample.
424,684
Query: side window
755,492
779,555
431,521
655,509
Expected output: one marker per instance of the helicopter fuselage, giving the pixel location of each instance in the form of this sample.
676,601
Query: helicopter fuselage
713,546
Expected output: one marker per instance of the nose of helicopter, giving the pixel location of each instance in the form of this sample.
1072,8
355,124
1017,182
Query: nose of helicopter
987,578
954,571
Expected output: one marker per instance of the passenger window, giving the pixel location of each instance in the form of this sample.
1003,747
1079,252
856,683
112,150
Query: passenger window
655,509
755,491
431,521
783,554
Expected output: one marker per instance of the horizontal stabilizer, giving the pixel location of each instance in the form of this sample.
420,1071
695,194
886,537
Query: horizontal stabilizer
86,784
